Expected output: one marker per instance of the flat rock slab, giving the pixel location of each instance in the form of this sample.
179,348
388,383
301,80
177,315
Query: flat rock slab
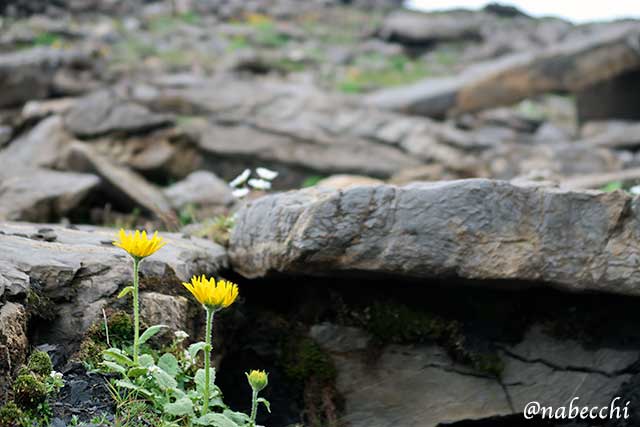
80,270
475,229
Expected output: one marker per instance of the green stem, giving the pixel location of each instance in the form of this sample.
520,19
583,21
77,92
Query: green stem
136,311
207,360
254,408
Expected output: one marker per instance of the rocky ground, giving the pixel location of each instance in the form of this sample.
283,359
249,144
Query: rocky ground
452,232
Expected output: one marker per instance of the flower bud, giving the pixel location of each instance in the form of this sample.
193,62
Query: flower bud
257,379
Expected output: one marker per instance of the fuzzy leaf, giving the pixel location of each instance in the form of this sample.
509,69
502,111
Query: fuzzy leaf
180,407
199,380
113,367
213,419
265,402
164,380
136,371
118,356
130,386
150,332
125,291
145,360
169,364
195,348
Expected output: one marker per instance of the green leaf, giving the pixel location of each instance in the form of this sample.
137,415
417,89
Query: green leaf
169,364
136,371
199,380
145,360
237,417
164,380
612,186
125,291
113,367
149,333
118,356
195,348
180,407
213,419
265,402
130,386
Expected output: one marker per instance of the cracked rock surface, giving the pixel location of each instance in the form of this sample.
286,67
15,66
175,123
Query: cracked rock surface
419,385
473,229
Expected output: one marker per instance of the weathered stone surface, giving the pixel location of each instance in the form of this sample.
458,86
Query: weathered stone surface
475,229
80,270
41,194
200,188
14,344
612,134
420,386
123,184
104,112
424,29
43,146
162,309
570,66
345,181
28,74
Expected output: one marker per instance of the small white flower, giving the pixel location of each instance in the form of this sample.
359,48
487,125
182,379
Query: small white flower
153,369
635,190
181,335
188,361
260,184
241,179
240,192
56,375
267,174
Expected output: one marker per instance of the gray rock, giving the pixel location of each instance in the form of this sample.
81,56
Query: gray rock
43,146
419,385
566,67
612,134
123,184
104,112
424,29
80,270
29,74
42,195
474,229
162,309
200,188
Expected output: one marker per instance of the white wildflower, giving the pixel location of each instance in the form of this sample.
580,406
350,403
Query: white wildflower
267,174
260,184
241,179
56,375
181,335
240,192
153,369
635,190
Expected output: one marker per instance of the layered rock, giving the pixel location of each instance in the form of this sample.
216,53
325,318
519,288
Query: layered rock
80,270
567,67
473,229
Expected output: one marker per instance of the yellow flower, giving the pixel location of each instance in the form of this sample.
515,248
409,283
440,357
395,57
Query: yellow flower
211,294
257,379
138,245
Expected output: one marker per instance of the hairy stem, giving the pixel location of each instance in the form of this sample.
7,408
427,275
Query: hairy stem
254,408
136,310
207,360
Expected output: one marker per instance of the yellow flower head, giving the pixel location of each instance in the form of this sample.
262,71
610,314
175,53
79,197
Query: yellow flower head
138,245
211,294
257,379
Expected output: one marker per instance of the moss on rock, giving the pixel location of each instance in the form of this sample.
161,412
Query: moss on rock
29,391
40,363
10,415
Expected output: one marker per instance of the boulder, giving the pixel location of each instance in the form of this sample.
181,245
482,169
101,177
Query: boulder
580,241
81,271
104,112
419,385
42,195
616,134
565,67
